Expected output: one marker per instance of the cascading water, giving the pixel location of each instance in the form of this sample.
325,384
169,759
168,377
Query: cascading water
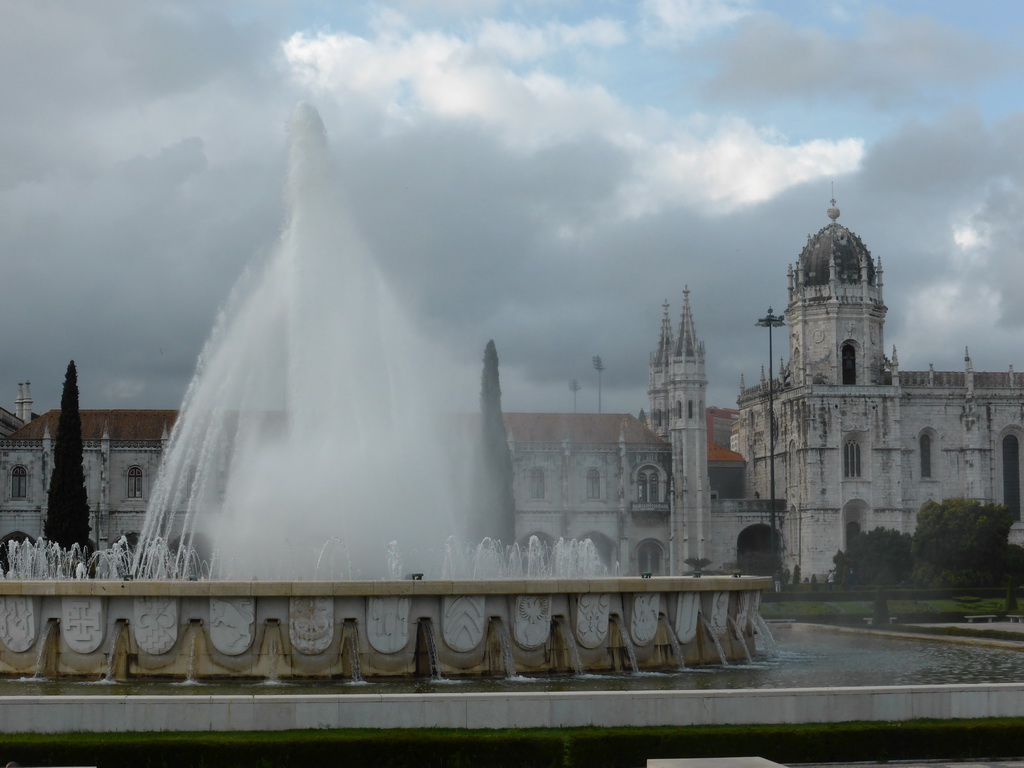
739,636
764,632
714,639
313,412
627,643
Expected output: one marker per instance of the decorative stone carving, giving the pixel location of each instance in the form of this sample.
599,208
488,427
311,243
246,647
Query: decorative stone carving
156,623
644,624
18,622
388,623
687,616
718,621
531,622
743,612
231,624
311,624
82,623
592,619
464,620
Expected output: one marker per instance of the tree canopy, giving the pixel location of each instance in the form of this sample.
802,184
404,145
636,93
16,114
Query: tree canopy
67,508
496,507
879,557
961,542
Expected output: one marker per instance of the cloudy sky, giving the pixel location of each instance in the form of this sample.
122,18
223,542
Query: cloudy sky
545,174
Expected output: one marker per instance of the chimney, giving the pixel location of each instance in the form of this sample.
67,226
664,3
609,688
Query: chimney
23,405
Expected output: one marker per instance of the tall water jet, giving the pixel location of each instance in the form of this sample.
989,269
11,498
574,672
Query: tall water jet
312,415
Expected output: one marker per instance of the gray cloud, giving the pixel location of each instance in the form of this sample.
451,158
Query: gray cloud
893,59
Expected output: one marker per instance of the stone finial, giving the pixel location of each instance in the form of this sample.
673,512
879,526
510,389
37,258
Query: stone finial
832,212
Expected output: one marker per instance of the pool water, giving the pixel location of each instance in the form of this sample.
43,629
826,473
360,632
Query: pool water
809,657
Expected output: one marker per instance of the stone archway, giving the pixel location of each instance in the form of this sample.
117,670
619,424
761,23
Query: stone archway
754,550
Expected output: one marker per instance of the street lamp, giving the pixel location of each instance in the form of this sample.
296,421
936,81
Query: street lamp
575,387
599,367
770,321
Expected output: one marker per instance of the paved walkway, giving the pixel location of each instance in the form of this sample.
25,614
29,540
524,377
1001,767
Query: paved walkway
921,764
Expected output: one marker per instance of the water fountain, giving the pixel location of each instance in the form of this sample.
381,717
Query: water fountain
303,479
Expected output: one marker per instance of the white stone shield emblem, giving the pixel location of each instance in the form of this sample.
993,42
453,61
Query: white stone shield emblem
311,624
156,623
388,623
718,616
687,616
592,619
18,622
531,620
644,623
81,623
231,624
464,619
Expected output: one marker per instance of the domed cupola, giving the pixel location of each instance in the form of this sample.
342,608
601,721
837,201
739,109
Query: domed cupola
834,242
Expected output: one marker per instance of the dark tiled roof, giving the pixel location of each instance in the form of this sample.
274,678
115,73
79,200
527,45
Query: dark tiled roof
121,424
577,427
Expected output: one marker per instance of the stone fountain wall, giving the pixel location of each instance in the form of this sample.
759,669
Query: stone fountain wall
382,629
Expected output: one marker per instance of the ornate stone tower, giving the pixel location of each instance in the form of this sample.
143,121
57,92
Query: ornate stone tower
677,390
836,313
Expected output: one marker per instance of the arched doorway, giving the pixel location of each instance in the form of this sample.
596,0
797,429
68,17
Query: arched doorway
754,550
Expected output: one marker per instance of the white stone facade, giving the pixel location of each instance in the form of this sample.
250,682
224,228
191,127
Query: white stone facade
859,443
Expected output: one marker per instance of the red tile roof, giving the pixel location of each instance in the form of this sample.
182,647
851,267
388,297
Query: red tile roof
718,453
121,424
577,427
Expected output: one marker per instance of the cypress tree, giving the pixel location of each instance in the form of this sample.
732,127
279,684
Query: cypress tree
495,515
67,509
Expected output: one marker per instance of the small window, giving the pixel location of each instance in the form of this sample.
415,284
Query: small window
689,409
537,483
679,409
926,456
641,487
851,459
849,364
19,483
593,484
135,482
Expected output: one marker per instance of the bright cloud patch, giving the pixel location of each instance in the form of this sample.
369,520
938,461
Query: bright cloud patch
411,75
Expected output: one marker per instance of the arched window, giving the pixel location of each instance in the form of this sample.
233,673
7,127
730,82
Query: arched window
849,364
926,456
1011,475
689,409
537,483
851,459
641,487
134,482
593,484
679,409
19,483
652,487
649,558
657,417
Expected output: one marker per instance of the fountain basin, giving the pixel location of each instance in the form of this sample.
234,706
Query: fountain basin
372,629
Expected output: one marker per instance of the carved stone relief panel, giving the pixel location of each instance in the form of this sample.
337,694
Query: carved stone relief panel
464,620
311,624
387,623
81,623
156,623
687,616
531,621
592,619
644,624
18,622
232,621
718,621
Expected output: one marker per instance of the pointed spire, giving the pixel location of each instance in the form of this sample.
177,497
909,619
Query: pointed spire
895,358
664,352
687,344
743,383
968,365
763,377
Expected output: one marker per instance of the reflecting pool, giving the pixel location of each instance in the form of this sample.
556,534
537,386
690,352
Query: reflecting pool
809,657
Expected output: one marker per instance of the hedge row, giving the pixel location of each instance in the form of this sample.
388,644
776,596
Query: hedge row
572,748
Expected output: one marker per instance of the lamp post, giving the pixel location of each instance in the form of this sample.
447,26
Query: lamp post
599,367
770,321
575,387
